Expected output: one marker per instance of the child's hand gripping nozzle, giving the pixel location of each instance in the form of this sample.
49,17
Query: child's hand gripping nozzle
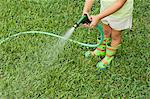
84,19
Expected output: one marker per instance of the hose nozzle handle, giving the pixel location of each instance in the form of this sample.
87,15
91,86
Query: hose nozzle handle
86,19
82,20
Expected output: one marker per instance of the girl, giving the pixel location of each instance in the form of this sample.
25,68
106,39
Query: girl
116,15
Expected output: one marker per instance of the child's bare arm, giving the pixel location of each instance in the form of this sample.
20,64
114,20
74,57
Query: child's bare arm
112,9
87,6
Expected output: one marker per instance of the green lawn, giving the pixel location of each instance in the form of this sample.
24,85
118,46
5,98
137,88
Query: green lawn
25,68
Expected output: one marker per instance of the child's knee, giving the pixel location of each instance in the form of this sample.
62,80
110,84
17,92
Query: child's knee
106,29
116,35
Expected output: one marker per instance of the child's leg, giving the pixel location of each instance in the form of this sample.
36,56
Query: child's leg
116,38
110,49
101,49
107,30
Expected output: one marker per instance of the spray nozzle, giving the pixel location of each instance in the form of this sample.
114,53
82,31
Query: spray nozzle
82,20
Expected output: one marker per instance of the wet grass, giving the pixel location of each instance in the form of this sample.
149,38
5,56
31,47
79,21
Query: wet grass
25,69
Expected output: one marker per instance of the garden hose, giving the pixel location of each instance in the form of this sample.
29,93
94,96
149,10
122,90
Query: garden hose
83,19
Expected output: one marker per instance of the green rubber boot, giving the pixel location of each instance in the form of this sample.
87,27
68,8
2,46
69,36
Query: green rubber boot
105,62
100,50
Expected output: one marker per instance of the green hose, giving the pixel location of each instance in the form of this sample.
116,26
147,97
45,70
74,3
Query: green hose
101,33
54,35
